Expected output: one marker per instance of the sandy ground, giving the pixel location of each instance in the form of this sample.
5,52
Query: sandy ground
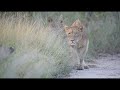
106,66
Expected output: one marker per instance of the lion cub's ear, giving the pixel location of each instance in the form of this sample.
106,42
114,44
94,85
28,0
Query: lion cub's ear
65,27
85,24
49,19
76,23
61,18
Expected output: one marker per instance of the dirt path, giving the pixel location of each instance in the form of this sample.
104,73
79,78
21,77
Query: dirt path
107,66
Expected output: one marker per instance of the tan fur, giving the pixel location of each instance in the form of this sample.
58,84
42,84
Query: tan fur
78,42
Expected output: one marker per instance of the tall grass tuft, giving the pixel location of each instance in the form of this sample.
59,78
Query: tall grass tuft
39,53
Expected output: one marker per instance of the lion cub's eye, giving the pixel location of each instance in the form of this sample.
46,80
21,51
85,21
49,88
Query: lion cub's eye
81,28
61,21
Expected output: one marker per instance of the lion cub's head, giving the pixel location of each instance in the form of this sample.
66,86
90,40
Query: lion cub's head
74,32
56,24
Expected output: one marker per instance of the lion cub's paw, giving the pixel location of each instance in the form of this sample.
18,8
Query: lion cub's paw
80,67
86,67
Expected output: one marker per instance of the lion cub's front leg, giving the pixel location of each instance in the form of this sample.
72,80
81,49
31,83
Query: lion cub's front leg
82,65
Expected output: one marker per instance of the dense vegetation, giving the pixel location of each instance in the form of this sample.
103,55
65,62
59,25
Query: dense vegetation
38,53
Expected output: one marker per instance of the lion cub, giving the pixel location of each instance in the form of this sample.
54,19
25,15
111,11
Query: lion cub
56,24
78,42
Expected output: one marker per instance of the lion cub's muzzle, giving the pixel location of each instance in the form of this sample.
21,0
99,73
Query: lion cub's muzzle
72,42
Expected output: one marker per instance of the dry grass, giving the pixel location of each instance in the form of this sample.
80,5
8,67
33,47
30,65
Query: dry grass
39,53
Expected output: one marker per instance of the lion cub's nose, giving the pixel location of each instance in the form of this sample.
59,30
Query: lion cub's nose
72,40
